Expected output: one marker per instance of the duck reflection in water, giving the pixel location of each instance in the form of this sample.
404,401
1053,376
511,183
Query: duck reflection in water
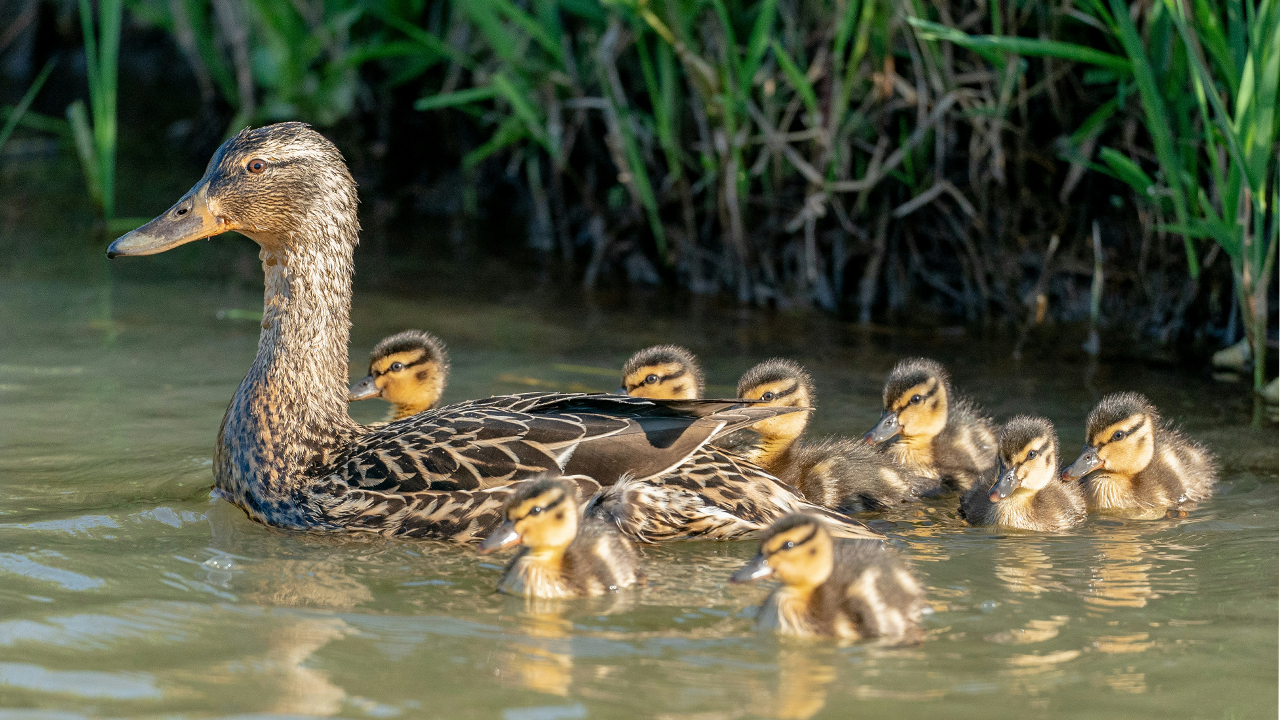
300,594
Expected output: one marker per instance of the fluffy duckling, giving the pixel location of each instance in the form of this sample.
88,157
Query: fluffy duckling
1026,492
1136,464
565,555
847,589
837,473
937,434
663,372
408,370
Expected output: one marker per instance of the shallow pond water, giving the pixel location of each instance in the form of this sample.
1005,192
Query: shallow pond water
125,591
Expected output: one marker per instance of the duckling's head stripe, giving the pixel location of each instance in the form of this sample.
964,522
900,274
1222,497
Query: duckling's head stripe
667,355
433,347
775,371
1118,407
910,373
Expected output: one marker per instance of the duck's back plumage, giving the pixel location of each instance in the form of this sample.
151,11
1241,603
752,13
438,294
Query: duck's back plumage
715,496
445,473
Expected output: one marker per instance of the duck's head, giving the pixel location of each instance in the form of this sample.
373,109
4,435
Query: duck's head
542,514
915,401
780,383
1121,437
1028,457
663,372
797,550
408,370
281,185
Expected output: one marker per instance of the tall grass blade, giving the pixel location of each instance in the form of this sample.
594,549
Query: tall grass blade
21,108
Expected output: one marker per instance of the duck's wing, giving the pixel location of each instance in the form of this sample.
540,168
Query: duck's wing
456,516
488,443
713,496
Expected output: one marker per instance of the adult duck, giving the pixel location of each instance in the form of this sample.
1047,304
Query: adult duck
288,453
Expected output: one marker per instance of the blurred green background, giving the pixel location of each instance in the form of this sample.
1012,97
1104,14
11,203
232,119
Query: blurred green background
1058,171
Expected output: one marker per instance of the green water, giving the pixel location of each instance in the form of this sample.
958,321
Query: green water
126,592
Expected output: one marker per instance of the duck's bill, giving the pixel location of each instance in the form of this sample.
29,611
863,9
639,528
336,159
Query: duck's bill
887,427
364,390
756,569
504,537
187,221
1085,464
1005,486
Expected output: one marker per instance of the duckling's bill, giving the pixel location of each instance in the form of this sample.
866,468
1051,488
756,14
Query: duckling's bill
889,426
190,219
1008,482
504,537
1085,464
756,569
365,389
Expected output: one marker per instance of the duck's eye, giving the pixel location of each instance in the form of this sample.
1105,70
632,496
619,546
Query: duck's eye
915,399
768,396
396,367
651,379
788,545
256,166
1032,455
1117,435
536,511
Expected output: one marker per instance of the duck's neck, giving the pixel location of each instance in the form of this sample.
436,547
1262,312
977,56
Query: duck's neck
289,418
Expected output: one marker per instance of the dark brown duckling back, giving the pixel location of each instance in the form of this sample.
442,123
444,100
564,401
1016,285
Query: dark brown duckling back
871,587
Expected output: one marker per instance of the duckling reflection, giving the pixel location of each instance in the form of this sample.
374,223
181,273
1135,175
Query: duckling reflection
542,659
1122,577
1022,566
300,594
805,672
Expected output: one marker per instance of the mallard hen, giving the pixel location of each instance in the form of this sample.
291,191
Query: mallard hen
288,453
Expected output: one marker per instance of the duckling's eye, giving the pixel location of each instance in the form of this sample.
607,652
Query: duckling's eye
1117,435
256,166
536,511
788,545
396,367
915,399
1032,455
651,379
766,397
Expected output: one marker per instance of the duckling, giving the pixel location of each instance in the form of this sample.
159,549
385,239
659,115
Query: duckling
847,589
941,436
408,370
837,473
565,556
1137,464
664,372
1025,492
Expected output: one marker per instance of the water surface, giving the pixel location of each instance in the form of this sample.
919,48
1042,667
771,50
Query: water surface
126,592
